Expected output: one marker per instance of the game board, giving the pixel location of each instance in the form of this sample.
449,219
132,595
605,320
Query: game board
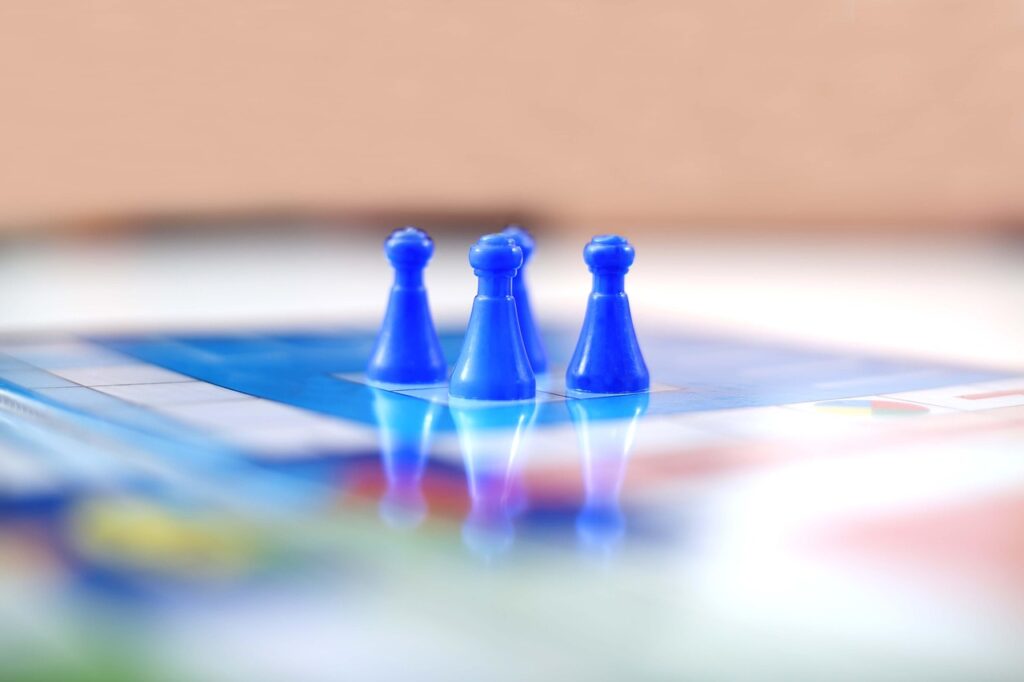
170,467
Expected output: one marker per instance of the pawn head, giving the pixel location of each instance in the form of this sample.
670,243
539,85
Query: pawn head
496,253
609,253
409,247
522,238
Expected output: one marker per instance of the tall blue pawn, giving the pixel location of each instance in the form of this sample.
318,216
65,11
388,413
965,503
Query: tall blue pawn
407,350
607,357
493,364
531,337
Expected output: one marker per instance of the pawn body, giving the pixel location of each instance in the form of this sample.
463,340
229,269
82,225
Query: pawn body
493,364
607,357
408,350
531,336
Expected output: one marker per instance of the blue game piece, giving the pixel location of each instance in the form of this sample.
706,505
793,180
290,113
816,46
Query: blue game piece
407,350
607,357
531,337
493,364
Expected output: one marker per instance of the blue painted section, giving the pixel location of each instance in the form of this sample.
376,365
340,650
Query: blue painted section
710,373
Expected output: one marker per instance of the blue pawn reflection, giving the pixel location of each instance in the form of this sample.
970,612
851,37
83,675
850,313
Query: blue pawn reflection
405,427
606,429
491,439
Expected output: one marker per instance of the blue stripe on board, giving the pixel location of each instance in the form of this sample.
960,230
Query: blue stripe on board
297,368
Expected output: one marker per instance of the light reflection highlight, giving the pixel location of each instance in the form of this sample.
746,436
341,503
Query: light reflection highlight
606,429
491,439
405,430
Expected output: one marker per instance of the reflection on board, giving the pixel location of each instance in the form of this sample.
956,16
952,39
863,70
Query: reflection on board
605,428
405,430
491,439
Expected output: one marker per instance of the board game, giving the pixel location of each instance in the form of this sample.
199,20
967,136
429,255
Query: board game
245,505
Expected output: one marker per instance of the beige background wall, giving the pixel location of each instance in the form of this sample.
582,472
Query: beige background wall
806,112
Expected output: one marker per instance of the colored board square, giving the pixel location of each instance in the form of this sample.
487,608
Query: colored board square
87,399
8,362
174,393
33,378
106,408
869,408
320,439
237,415
872,408
62,354
870,378
982,396
117,375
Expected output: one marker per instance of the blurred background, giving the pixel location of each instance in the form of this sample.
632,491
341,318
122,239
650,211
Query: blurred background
846,171
656,114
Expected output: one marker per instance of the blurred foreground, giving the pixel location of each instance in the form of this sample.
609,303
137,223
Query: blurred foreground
823,483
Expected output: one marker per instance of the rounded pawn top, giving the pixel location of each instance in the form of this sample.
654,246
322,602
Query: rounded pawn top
409,247
496,253
609,253
522,238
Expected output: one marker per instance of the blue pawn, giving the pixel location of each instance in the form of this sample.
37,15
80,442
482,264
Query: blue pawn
531,338
407,350
607,357
493,364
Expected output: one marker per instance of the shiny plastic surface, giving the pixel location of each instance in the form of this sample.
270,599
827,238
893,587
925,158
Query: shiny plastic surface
407,349
493,364
531,336
608,357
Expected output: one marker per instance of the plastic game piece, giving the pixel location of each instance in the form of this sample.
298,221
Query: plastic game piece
607,357
407,349
493,364
531,337
605,429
